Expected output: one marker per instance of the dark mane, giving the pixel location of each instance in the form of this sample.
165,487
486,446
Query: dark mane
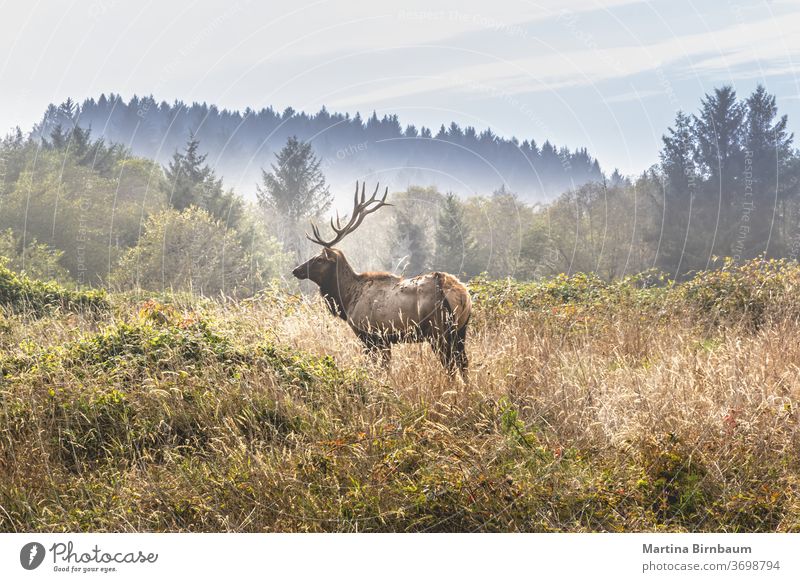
333,300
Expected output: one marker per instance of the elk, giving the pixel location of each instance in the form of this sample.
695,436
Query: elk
382,308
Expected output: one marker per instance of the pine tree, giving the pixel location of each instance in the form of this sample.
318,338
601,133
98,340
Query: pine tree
411,238
68,113
718,131
194,183
767,156
681,182
58,138
296,188
455,245
766,137
618,180
294,191
678,157
80,144
185,172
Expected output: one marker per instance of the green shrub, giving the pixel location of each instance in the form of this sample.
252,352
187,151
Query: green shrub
735,293
192,251
20,293
741,292
673,480
36,260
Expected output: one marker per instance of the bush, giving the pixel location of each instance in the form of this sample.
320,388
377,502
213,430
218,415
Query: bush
33,259
20,293
742,292
736,293
189,251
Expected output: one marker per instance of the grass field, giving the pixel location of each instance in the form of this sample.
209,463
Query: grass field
640,405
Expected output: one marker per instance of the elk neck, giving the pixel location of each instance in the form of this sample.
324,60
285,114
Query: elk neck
340,289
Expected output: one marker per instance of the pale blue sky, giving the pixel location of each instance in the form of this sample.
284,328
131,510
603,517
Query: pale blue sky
605,75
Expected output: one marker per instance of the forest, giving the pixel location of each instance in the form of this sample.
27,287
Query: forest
83,210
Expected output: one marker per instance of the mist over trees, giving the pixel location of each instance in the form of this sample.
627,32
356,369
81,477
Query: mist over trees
86,211
240,143
727,185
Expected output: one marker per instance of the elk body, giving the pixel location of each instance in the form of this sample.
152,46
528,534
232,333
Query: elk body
382,308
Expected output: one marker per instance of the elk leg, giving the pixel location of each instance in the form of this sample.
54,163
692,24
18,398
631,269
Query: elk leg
461,352
443,348
451,348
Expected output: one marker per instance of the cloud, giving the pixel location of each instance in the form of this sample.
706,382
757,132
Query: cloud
756,48
329,26
633,96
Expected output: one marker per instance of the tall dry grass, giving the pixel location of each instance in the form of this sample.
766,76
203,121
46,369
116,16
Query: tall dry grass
590,407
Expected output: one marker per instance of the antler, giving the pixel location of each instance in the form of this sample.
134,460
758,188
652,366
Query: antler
361,208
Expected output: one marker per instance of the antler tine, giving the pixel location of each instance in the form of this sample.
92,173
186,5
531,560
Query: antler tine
317,233
361,208
365,208
338,221
317,238
383,200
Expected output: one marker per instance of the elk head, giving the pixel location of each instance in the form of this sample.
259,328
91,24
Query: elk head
325,266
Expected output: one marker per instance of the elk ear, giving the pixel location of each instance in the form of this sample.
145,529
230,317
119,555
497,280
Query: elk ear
329,254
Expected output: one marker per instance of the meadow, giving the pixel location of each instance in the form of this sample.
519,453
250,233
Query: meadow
638,405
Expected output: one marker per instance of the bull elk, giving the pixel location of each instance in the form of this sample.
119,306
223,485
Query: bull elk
382,308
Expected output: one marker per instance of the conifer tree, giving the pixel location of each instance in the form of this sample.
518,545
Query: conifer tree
294,191
192,182
455,244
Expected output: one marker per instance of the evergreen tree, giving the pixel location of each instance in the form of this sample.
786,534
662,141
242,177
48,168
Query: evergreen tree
678,157
454,242
185,173
764,132
767,146
192,182
718,131
77,143
766,138
294,191
617,179
413,243
718,135
58,139
296,187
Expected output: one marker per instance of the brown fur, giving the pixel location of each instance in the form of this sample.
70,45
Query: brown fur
383,308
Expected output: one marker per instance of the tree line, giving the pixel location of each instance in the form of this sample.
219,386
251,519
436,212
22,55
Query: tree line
87,211
239,143
727,185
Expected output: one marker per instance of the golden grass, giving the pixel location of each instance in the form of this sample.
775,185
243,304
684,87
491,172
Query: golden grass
612,417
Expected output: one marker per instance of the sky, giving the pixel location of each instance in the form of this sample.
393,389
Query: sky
608,76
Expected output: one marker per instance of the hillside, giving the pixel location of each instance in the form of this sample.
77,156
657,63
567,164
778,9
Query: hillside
241,143
639,405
